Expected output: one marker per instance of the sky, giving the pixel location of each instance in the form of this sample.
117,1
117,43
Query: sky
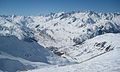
37,7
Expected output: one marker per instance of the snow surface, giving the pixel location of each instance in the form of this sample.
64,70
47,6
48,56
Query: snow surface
108,62
83,41
95,60
16,55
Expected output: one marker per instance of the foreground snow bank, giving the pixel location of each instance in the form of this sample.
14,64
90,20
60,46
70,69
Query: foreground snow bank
108,62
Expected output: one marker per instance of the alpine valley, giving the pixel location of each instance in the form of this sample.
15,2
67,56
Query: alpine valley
85,41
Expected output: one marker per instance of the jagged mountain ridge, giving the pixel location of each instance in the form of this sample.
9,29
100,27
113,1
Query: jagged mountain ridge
71,35
60,29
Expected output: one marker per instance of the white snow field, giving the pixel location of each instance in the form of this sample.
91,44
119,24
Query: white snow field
94,61
108,62
16,54
60,42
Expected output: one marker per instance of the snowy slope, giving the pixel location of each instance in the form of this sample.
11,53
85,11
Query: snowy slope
16,55
60,29
108,62
92,47
11,63
94,61
28,50
73,37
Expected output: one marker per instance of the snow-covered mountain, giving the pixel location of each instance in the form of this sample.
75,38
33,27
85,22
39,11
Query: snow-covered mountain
73,37
108,62
16,55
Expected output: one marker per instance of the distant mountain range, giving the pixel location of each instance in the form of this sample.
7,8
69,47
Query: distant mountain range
30,42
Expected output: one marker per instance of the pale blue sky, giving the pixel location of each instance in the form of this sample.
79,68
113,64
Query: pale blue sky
36,7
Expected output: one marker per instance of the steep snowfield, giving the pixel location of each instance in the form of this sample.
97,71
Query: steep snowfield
59,39
11,63
92,47
108,62
22,55
27,50
95,60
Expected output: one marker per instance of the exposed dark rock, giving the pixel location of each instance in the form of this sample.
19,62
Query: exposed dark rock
100,44
37,26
